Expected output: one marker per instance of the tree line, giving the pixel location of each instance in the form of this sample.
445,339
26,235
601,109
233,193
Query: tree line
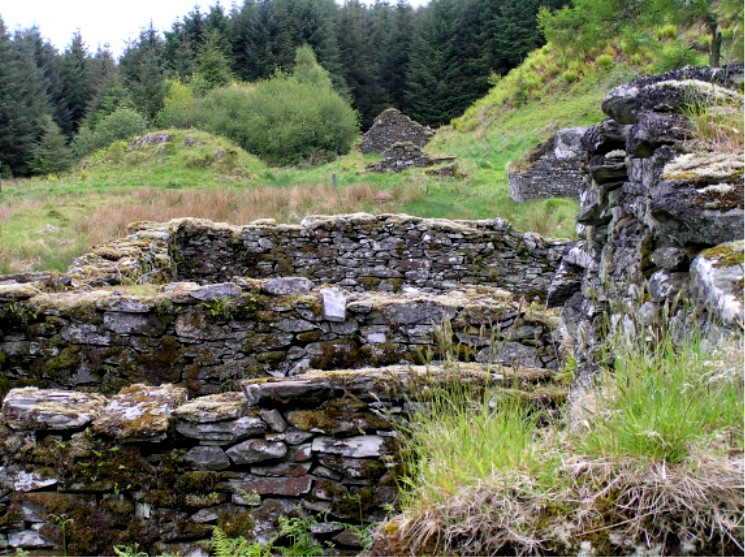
431,62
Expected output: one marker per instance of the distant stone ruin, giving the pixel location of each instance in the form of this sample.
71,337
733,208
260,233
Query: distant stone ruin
403,156
552,169
392,127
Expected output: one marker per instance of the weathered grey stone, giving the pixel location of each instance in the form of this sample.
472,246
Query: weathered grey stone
207,458
32,408
671,258
213,292
224,432
334,304
133,323
361,446
664,285
274,420
284,286
212,408
256,450
28,539
717,276
22,481
283,469
139,413
281,487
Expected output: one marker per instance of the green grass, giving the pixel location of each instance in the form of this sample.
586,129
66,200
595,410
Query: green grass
664,403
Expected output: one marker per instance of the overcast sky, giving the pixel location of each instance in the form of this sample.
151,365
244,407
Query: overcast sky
102,21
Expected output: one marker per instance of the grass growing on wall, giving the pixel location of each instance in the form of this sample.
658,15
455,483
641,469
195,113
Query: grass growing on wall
652,454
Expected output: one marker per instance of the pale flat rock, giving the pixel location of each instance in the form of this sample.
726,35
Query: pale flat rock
39,409
717,276
212,408
28,539
139,413
256,450
334,304
222,433
287,286
362,446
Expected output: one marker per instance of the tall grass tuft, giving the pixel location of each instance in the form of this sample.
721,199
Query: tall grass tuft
663,403
653,458
458,439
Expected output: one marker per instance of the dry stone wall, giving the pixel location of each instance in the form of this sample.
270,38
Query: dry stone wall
372,252
661,215
151,467
553,169
391,127
206,338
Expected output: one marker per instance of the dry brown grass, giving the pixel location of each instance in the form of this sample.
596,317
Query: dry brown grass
288,204
609,506
46,232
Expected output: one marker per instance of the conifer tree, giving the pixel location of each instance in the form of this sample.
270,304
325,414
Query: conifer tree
76,79
142,69
51,155
23,105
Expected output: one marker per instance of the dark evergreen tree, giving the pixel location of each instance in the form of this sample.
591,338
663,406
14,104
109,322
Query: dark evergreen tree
49,63
360,61
76,79
52,154
394,32
255,45
24,107
213,66
141,66
511,32
108,91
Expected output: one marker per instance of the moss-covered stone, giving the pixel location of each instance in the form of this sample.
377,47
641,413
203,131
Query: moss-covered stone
337,354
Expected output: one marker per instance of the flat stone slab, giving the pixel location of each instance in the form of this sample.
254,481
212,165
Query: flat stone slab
256,450
283,286
139,413
362,446
32,408
222,433
212,408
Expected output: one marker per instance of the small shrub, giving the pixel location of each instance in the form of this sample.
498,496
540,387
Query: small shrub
122,124
287,119
674,55
667,31
605,61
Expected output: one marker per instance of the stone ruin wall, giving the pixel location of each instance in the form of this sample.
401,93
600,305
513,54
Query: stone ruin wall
207,338
150,467
661,217
356,252
553,168
233,404
203,308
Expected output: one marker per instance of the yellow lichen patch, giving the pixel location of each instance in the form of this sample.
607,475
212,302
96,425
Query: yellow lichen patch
705,167
726,255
